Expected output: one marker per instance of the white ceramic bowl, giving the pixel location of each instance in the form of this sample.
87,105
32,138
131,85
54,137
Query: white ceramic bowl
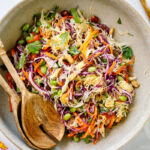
108,11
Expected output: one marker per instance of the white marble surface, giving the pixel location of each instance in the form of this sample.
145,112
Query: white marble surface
142,139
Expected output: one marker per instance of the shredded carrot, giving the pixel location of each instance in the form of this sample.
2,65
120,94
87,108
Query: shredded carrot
25,74
120,69
97,53
88,107
95,141
100,97
41,32
38,70
78,83
111,51
33,56
92,125
84,59
91,29
50,70
10,85
88,39
64,18
126,75
13,52
60,83
51,56
83,127
38,65
47,45
119,118
37,37
121,57
71,134
132,61
80,121
10,104
111,68
22,78
130,68
111,121
75,56
85,44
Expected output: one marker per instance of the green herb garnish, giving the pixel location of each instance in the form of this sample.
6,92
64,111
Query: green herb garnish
75,15
73,51
21,61
64,37
127,52
34,47
54,13
130,34
119,21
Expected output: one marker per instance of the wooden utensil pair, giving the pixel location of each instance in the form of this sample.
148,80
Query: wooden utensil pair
39,119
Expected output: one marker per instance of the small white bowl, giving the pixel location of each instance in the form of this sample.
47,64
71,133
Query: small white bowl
108,11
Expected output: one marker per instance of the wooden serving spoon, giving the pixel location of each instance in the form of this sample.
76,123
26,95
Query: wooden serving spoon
16,103
39,118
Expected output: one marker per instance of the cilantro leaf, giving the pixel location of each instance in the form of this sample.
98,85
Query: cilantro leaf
54,13
127,52
34,47
21,61
64,37
73,51
119,21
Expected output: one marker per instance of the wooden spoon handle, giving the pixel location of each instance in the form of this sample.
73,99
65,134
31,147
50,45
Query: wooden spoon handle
6,87
11,68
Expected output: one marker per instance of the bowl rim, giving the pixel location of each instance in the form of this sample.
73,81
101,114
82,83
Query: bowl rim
145,118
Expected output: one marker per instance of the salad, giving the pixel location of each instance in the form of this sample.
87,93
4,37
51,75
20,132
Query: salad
76,63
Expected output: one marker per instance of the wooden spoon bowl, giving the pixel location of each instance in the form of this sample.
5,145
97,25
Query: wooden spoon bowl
16,102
